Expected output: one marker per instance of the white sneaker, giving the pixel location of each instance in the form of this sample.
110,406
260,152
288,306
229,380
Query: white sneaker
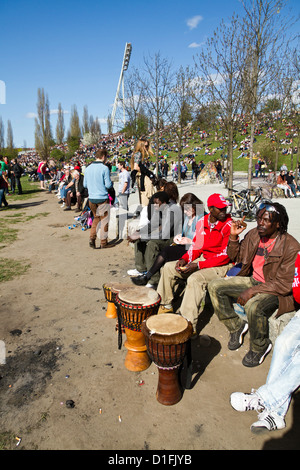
134,272
267,422
63,205
246,401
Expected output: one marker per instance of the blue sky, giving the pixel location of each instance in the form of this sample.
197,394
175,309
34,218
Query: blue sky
74,50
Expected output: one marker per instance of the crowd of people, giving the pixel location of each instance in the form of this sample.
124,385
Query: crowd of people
179,241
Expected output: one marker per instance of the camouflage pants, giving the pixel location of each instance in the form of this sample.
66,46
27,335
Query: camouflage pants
224,292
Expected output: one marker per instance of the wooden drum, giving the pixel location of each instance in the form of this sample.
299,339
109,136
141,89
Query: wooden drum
136,305
110,291
166,337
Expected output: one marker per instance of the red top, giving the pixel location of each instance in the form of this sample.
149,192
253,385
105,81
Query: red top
259,259
211,242
296,283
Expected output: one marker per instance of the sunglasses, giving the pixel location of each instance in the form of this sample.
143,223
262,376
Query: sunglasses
268,207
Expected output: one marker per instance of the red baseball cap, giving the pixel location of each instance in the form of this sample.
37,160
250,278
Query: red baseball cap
217,200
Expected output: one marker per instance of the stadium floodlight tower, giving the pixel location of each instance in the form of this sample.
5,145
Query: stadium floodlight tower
125,64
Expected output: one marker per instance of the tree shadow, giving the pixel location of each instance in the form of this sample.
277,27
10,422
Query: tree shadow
201,350
24,205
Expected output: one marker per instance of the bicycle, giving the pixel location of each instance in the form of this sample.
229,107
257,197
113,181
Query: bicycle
241,203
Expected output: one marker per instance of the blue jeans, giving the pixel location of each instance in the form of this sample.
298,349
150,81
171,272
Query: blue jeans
63,192
2,197
284,374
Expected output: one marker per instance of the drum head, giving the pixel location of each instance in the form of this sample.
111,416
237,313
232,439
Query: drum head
166,324
139,296
117,286
167,328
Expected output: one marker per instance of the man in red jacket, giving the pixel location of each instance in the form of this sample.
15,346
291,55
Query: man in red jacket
206,260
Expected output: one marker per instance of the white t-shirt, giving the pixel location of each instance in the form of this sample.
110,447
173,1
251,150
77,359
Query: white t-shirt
124,177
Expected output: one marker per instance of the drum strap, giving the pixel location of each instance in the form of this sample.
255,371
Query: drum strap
119,326
188,366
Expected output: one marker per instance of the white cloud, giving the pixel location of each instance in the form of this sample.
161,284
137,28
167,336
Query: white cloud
31,115
195,44
55,111
194,21
102,120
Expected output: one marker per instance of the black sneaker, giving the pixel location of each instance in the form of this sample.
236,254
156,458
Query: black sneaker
92,243
140,280
236,338
253,359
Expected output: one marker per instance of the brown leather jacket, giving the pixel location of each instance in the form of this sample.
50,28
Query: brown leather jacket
279,268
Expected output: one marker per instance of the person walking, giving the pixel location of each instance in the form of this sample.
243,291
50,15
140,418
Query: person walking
98,183
16,173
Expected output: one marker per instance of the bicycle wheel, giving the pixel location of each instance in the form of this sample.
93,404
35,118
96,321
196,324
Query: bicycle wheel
230,205
251,212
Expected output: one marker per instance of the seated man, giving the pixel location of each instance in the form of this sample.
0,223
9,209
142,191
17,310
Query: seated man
165,220
205,260
272,399
264,283
76,193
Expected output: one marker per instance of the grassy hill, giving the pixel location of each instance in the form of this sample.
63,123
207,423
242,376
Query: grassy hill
217,150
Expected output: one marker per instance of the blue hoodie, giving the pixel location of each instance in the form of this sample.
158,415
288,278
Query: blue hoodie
97,181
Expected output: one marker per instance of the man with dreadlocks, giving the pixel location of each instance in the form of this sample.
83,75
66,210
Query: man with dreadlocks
267,255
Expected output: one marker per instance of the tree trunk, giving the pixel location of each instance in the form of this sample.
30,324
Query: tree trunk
251,151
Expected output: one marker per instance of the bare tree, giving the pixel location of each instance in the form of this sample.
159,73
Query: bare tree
180,114
109,124
283,91
60,125
1,134
75,130
156,82
134,105
219,67
94,134
10,137
43,136
264,28
85,121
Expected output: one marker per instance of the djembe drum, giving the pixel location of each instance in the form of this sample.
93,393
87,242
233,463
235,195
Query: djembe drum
167,337
135,305
110,292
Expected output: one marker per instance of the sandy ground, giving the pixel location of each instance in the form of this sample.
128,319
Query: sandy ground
60,346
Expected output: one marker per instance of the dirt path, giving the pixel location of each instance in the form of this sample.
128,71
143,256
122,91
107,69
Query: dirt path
60,346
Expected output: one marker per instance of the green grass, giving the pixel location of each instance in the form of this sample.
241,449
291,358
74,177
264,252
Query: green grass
10,268
7,441
30,190
240,164
8,234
